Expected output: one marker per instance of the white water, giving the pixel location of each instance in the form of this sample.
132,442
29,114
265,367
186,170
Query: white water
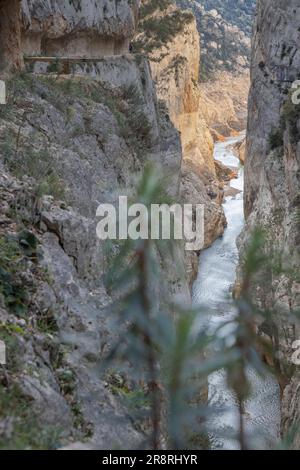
212,289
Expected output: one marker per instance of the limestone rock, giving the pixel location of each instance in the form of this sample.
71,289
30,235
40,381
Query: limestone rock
86,132
225,27
10,36
194,189
224,173
80,29
224,103
239,150
175,69
272,176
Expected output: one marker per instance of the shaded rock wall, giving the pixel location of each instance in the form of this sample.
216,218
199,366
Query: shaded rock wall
272,179
10,36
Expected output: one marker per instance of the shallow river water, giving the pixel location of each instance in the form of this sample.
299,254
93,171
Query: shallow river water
217,272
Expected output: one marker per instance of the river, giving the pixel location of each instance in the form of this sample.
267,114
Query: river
212,293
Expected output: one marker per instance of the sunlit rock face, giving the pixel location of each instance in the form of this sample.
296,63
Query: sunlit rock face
176,77
78,28
272,178
170,38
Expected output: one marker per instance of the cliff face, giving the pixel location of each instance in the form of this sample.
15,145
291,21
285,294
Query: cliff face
224,103
224,29
175,70
79,141
60,28
68,144
272,178
174,59
10,36
78,29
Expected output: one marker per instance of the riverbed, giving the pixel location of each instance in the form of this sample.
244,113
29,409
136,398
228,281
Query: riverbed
212,294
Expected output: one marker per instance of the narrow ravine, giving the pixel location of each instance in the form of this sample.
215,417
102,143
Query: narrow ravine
212,293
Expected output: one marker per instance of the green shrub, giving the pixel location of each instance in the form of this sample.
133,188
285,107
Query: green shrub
25,432
158,31
33,163
14,253
151,6
11,288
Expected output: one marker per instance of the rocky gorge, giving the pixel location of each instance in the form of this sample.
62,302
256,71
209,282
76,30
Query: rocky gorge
202,112
98,93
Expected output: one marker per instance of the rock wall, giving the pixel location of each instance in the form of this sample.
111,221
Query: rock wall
224,103
175,70
272,180
77,28
224,30
174,60
10,37
83,141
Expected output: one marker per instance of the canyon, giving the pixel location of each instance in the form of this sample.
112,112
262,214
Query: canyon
201,112
97,92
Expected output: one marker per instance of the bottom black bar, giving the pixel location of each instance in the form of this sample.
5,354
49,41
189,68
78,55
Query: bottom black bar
136,459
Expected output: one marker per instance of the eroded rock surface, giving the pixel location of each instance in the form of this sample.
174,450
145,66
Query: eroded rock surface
79,140
174,62
10,36
272,183
225,28
80,29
